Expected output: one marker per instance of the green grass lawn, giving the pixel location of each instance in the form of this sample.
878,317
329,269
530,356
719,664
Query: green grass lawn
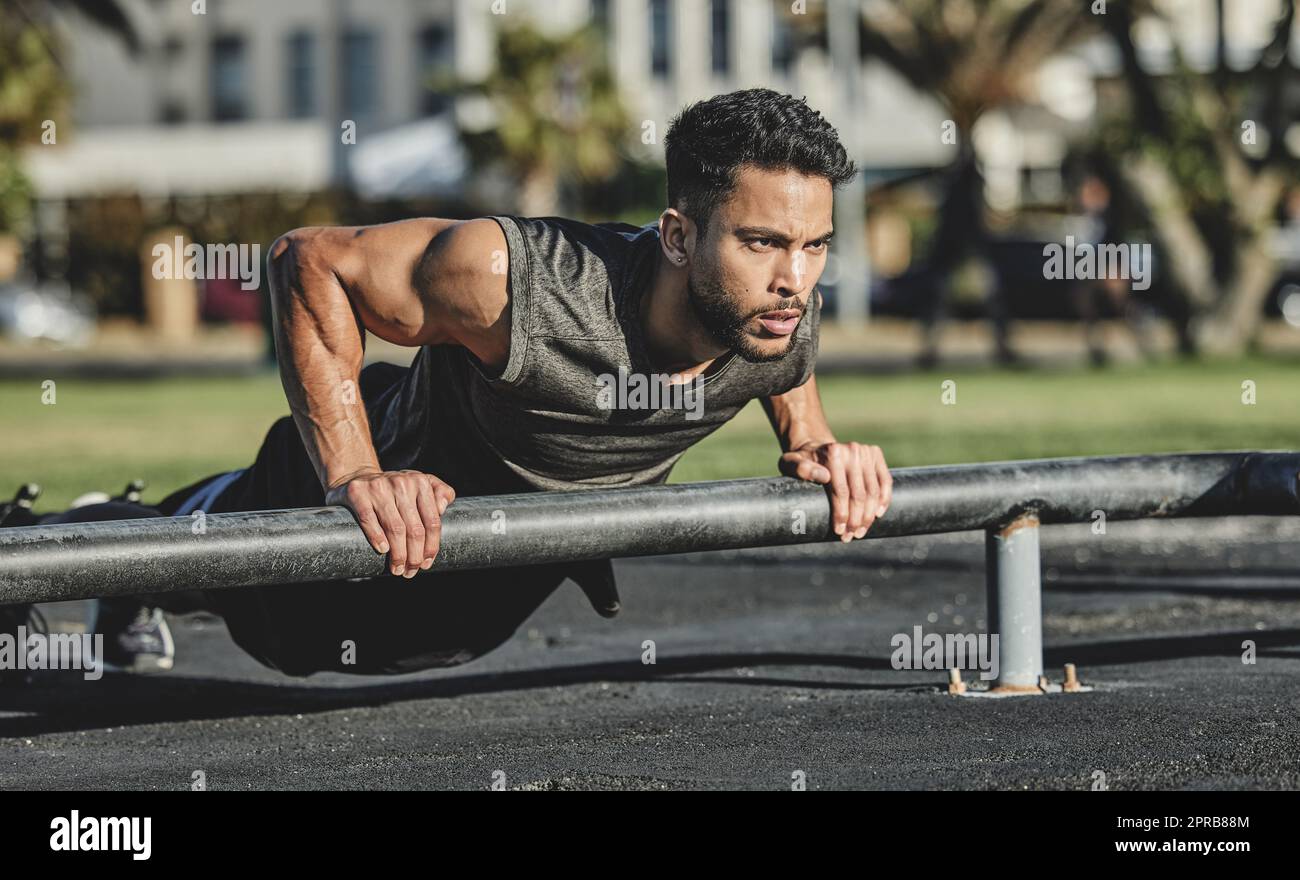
169,432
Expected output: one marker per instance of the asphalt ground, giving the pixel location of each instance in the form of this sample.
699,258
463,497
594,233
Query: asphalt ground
772,667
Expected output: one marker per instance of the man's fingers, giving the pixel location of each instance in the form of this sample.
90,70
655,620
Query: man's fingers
798,464
886,481
431,516
813,472
395,528
400,513
857,493
871,482
365,514
443,493
839,492
857,479
357,498
404,494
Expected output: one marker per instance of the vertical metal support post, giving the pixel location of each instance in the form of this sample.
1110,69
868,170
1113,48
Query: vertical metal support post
853,289
1015,599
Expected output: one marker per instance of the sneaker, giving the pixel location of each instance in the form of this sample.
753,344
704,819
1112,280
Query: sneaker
136,640
89,498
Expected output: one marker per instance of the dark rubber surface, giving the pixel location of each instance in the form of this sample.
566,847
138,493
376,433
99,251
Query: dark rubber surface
768,663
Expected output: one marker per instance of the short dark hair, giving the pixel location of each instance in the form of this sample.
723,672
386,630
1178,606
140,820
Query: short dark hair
709,141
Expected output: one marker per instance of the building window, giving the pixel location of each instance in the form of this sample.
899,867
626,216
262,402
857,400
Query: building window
435,60
782,39
660,32
720,14
600,14
300,78
229,79
360,74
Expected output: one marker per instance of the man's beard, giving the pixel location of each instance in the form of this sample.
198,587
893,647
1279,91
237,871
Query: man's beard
718,312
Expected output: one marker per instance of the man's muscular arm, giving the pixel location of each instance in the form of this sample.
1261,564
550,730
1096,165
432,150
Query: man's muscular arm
414,282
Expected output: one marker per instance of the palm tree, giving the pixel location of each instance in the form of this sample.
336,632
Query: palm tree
557,117
34,85
972,55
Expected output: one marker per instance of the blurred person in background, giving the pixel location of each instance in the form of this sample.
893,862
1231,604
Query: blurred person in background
1096,299
962,234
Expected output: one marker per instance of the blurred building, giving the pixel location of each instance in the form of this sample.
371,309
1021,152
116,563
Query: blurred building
251,95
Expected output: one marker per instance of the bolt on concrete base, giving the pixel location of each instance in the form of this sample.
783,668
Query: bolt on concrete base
1071,685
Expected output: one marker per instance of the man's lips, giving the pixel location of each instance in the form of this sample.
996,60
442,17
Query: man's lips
780,323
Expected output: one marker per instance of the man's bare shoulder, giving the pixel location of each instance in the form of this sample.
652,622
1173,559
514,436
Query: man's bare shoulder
419,281
464,274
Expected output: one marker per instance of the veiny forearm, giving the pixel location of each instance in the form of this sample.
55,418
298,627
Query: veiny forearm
320,344
797,416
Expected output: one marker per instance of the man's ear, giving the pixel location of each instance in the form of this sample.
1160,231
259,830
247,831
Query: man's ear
676,236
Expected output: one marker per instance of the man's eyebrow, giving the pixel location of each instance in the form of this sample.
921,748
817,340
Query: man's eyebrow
760,232
774,234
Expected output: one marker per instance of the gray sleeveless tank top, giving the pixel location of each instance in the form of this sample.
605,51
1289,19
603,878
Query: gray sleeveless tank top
573,407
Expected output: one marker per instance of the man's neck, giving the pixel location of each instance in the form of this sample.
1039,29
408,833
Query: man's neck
675,340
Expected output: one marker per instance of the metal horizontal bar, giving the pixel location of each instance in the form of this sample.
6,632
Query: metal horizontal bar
128,557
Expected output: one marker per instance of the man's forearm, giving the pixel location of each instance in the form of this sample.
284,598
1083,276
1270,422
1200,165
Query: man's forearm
797,417
320,345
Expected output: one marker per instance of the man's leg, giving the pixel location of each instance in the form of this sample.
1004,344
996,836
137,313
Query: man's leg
381,625
136,635
385,625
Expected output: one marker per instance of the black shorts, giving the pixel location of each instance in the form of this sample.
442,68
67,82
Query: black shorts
381,625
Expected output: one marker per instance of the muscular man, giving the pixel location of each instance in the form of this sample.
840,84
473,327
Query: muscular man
517,321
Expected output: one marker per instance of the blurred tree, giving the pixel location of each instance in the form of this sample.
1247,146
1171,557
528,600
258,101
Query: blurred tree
973,56
34,86
1207,155
556,117
1203,152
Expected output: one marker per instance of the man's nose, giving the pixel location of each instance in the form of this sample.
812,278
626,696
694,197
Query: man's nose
792,275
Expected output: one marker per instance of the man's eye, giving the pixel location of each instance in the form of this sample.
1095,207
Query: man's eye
818,246
761,242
